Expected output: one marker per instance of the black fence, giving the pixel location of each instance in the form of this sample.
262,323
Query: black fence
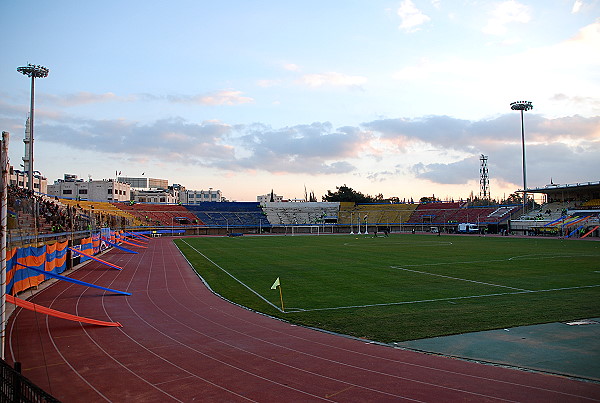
15,388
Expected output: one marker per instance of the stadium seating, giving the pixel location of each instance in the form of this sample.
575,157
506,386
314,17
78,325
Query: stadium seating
101,208
594,203
229,214
381,214
159,214
435,213
307,213
440,213
550,211
485,214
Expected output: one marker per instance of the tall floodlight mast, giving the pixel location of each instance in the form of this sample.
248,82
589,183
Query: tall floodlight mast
484,180
523,106
32,71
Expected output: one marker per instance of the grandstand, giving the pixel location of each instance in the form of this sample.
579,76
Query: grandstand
308,213
230,215
377,214
486,215
101,208
594,203
570,210
436,213
151,214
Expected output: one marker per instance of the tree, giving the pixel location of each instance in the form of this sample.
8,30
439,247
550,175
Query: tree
514,198
347,194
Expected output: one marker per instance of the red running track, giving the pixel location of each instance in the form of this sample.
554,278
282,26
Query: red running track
180,342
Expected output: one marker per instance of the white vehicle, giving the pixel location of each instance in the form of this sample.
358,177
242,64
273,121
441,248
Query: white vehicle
466,228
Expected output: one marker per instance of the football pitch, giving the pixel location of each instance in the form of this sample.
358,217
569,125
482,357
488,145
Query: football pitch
405,286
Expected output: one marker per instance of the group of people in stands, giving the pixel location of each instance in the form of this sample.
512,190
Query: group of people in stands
52,216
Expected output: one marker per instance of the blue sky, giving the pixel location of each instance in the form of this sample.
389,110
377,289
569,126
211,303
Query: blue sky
393,97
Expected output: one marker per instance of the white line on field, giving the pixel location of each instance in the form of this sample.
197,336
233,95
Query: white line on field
532,256
446,299
458,278
231,275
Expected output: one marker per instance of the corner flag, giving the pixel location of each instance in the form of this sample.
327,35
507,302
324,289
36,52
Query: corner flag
276,284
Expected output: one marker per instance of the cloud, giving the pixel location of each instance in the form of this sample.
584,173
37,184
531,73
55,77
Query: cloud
568,145
216,98
468,136
576,6
440,149
438,130
291,67
314,148
266,83
569,165
412,18
84,98
577,100
567,65
168,139
459,172
223,97
332,79
505,13
310,149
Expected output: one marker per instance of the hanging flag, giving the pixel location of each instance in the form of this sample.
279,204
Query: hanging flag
275,284
97,259
52,312
72,280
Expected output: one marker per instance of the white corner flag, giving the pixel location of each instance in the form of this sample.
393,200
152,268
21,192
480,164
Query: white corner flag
276,284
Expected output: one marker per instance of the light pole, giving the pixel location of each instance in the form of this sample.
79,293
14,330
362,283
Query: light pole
33,71
523,106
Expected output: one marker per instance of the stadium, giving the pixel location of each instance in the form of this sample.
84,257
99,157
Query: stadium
104,264
156,287
424,255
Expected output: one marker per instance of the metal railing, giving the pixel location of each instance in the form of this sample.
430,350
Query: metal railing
15,388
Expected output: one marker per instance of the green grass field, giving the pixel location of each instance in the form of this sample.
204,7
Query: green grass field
404,287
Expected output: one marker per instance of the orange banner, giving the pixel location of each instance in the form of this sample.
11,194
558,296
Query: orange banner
58,314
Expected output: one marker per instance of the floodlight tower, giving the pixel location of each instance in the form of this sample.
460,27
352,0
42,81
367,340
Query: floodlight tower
522,106
484,181
32,71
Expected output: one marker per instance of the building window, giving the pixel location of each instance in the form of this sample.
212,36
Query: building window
82,191
67,192
109,192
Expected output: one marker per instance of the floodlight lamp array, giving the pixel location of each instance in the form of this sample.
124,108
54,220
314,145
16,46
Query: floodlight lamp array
521,106
32,70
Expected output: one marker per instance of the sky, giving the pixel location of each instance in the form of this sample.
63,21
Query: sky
393,97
